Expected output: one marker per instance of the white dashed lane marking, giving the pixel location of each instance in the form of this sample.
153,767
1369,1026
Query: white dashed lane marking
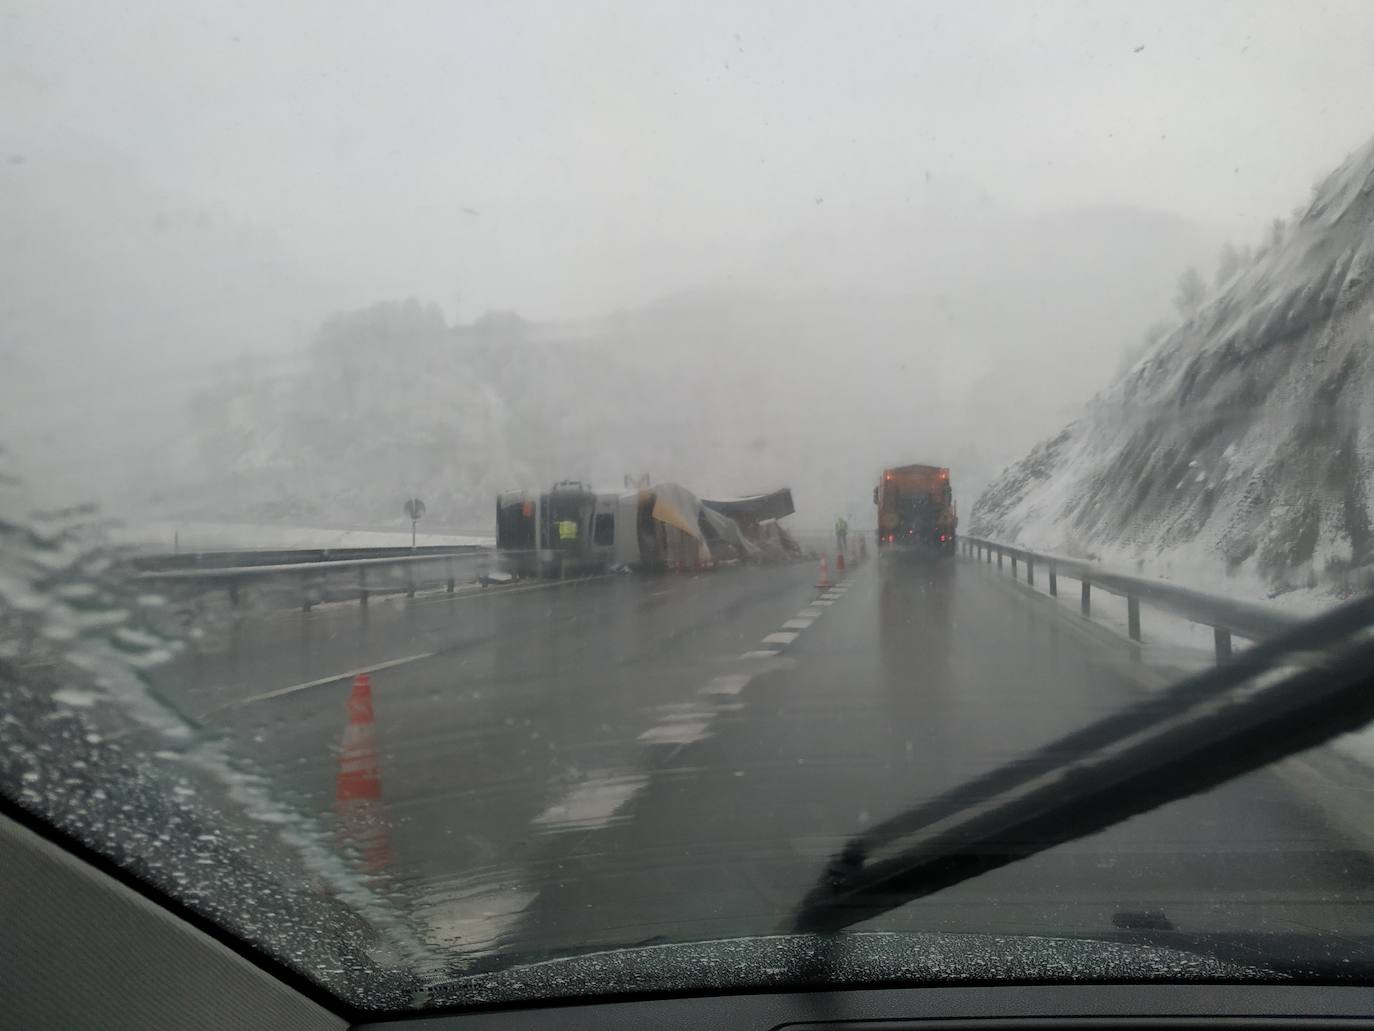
600,800
682,732
803,620
727,684
593,803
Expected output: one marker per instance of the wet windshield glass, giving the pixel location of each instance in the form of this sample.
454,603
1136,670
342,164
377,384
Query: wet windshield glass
487,486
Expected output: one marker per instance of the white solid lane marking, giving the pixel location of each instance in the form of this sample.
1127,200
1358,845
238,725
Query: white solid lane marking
332,679
473,591
797,624
727,684
781,638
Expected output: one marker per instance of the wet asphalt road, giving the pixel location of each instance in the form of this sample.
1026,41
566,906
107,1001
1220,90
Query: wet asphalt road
629,759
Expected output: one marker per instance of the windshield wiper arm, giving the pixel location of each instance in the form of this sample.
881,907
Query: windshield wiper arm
1277,699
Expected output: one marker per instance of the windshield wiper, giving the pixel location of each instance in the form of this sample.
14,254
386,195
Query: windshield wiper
1274,700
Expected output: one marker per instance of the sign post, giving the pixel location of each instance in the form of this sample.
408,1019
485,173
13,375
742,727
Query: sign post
414,508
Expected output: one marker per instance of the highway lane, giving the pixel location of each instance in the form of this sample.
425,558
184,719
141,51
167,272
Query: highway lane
626,758
915,682
530,706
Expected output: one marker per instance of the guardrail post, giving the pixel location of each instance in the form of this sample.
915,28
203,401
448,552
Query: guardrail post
362,585
306,603
1133,617
987,553
410,580
1013,567
999,558
448,568
1054,582
1030,571
1085,601
1222,638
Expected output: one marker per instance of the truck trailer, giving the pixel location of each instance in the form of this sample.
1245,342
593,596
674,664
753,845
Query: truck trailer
916,510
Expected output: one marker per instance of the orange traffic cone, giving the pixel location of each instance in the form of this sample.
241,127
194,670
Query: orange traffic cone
839,562
824,581
358,790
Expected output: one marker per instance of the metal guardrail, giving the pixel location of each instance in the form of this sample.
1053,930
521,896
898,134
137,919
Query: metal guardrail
395,569
1225,616
211,560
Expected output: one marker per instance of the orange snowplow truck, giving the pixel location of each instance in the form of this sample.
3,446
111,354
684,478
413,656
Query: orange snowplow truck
916,509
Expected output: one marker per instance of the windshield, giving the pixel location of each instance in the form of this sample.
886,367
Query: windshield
502,501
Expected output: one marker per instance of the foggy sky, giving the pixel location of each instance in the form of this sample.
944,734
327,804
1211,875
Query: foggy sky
567,159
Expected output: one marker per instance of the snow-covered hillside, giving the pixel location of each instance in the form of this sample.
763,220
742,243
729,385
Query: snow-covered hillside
1241,448
386,404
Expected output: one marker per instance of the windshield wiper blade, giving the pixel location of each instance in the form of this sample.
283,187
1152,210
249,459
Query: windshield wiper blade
1276,699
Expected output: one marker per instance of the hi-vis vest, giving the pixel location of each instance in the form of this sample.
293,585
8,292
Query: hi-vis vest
567,530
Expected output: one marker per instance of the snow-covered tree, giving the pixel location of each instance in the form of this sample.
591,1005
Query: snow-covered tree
1229,262
1191,292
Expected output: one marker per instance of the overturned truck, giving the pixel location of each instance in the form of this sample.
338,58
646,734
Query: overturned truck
572,529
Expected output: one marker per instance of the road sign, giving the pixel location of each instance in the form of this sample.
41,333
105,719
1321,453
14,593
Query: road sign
415,508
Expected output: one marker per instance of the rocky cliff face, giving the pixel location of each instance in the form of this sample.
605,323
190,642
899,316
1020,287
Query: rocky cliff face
1241,448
